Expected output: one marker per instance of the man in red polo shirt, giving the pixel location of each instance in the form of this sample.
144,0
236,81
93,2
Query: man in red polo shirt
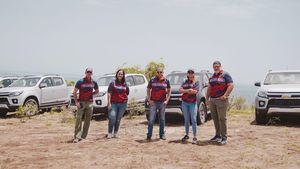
158,95
87,87
219,88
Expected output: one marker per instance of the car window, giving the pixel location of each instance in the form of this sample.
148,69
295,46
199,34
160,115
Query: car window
6,82
282,78
58,81
129,81
25,82
138,80
47,81
178,79
104,81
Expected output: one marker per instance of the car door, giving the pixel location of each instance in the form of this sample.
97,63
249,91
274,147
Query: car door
47,91
132,88
60,88
140,88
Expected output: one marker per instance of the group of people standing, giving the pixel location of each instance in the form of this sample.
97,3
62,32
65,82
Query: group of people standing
158,95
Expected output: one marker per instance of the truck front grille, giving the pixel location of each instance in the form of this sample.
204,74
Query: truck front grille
284,103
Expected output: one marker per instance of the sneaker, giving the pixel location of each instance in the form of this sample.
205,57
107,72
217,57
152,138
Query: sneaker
194,140
216,138
223,141
109,135
186,137
163,137
76,140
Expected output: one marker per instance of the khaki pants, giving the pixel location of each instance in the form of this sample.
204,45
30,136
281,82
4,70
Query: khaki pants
86,111
218,109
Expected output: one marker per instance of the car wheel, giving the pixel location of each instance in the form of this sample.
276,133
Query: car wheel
201,113
261,117
3,113
31,107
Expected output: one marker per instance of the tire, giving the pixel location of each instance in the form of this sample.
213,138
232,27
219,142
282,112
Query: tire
261,117
201,113
3,113
32,105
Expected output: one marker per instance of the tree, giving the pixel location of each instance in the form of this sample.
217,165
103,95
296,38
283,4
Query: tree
151,67
70,83
133,69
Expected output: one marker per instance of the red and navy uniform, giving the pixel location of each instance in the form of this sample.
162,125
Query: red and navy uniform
158,89
190,98
86,87
218,84
119,92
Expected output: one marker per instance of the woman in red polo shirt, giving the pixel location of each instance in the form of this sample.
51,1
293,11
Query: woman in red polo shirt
189,90
117,102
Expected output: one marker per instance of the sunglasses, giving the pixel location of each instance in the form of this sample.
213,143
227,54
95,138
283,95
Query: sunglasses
160,72
89,72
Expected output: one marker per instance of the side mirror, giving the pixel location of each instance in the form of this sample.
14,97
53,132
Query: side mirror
43,85
257,84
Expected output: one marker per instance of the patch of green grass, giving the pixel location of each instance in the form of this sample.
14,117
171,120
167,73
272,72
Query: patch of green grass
247,112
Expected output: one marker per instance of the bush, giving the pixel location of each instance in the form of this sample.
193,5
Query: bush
135,109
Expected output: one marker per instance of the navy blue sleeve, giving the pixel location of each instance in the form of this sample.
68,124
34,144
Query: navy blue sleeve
110,87
197,86
127,90
150,84
78,84
168,84
96,87
228,78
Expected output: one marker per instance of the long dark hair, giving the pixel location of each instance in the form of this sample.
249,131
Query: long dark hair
123,78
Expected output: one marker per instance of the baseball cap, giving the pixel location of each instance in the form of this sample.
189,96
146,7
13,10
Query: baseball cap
217,63
88,69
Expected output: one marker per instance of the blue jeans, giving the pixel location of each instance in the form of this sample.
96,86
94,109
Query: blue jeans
189,112
115,115
160,107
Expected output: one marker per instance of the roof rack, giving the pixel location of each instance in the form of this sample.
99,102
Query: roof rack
177,71
51,75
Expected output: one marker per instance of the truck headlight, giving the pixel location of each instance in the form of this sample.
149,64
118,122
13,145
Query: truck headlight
100,94
262,94
15,93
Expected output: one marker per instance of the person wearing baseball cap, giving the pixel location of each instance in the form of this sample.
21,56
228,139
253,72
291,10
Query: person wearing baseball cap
189,90
87,87
219,89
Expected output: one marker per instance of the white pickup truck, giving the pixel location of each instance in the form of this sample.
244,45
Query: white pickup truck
278,94
39,92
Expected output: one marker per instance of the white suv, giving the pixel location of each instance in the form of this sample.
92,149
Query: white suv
278,94
137,84
41,92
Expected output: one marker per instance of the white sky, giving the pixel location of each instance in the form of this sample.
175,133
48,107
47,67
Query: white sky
249,37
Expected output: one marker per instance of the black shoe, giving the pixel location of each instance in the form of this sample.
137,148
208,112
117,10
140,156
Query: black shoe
194,140
223,141
163,137
216,138
148,138
186,137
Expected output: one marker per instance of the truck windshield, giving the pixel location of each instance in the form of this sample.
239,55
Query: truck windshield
282,78
104,81
26,82
177,79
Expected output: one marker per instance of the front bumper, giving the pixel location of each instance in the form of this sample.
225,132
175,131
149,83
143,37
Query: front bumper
278,105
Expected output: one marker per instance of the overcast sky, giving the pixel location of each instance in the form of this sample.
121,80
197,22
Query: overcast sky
249,37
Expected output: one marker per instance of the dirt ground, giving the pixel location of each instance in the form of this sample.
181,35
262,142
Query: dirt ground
44,142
